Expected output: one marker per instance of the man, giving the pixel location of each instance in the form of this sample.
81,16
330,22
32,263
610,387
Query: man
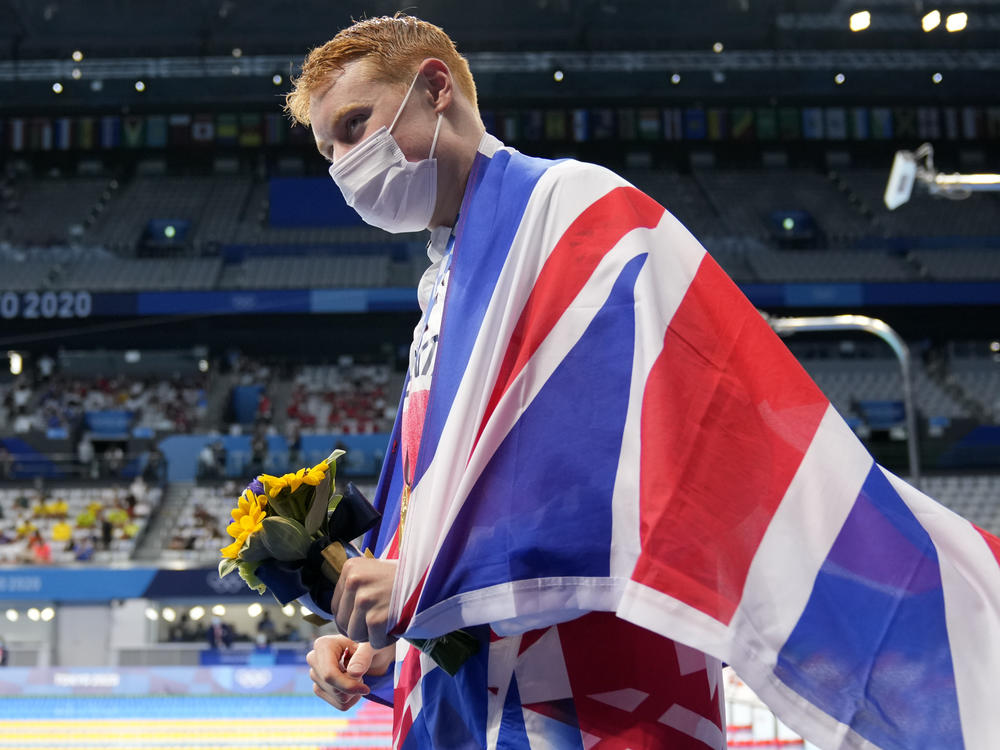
404,75
603,446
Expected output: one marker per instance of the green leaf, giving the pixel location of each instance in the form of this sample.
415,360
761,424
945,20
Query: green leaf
227,565
285,539
254,549
331,460
248,572
283,505
334,502
317,507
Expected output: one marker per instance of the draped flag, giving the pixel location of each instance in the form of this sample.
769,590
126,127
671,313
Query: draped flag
613,427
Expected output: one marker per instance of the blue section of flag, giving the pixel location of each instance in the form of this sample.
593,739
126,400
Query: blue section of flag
453,713
579,415
871,647
485,234
513,735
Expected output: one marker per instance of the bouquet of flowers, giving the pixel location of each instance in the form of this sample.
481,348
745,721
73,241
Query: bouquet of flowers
292,535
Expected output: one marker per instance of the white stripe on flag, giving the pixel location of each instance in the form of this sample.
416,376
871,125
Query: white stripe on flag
969,576
672,264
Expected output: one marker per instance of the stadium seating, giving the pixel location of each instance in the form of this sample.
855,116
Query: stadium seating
78,524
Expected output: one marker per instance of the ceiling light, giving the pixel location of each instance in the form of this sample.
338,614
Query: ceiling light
140,86
860,20
839,78
675,78
48,613
717,47
931,21
255,609
57,88
12,615
77,55
218,610
169,614
152,614
937,78
956,21
197,613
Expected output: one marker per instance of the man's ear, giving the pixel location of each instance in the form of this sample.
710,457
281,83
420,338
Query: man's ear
439,83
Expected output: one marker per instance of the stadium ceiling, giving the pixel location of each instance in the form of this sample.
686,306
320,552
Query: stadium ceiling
53,29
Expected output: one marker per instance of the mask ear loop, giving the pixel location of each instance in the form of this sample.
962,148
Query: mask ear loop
437,130
403,104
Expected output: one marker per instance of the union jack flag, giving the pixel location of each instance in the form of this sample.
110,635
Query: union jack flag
612,427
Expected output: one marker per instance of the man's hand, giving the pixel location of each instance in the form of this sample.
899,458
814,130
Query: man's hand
337,664
360,603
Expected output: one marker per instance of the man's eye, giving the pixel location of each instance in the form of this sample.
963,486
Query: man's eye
354,124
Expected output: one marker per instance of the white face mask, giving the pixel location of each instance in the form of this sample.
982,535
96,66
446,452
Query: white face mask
385,189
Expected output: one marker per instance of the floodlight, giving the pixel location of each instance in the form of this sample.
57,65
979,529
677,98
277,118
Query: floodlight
956,21
931,21
861,20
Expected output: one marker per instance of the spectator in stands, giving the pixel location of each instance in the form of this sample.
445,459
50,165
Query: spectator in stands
266,627
86,459
155,470
220,634
4,654
208,467
40,551
294,440
114,460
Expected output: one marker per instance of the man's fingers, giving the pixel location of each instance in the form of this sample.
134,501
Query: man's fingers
341,704
361,661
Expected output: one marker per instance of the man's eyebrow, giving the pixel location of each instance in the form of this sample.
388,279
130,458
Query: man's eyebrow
339,115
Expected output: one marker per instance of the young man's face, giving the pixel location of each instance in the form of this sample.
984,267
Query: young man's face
356,105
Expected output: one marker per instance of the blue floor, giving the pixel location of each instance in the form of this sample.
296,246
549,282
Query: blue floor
167,707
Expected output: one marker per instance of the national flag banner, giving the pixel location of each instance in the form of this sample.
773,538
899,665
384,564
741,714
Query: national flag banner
581,125
951,127
716,124
64,133
812,123
603,120
156,131
767,123
532,125
673,124
111,131
203,130
179,129
789,124
227,130
835,123
511,126
275,129
615,428
134,131
17,138
555,125
742,124
250,130
972,123
86,128
928,123
695,125
649,124
882,123
860,130
993,122
40,134
904,121
626,124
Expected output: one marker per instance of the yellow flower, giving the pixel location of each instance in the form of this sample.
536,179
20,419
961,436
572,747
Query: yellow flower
248,517
275,485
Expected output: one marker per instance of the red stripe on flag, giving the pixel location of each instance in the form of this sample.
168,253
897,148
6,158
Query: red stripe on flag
727,417
992,542
587,240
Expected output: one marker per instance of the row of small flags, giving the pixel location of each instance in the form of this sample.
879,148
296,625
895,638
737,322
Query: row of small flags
254,130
